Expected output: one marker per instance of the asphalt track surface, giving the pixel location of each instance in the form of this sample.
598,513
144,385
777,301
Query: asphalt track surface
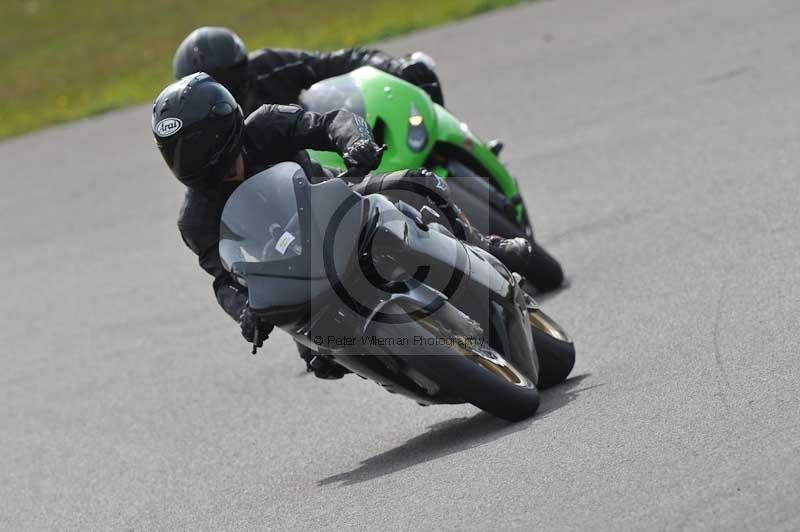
658,144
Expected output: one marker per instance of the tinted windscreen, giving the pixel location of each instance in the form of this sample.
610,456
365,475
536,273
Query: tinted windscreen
340,92
260,222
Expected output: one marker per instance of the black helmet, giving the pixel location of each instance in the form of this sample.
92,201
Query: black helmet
198,129
216,51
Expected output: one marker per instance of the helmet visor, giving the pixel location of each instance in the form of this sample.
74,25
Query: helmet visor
202,155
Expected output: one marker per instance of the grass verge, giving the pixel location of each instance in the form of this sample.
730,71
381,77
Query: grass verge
61,61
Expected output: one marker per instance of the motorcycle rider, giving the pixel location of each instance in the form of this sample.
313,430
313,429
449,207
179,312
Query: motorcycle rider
209,146
278,75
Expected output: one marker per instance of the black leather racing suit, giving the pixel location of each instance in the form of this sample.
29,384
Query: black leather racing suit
278,75
272,134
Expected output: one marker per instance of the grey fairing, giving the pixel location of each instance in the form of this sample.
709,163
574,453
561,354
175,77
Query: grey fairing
270,285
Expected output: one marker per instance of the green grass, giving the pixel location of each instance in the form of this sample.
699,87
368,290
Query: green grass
60,60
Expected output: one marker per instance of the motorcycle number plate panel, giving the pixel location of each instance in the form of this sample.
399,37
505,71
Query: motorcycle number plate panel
283,242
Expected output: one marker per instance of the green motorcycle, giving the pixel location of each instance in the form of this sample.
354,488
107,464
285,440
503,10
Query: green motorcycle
420,133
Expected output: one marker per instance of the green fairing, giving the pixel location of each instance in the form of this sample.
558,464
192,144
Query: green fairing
453,131
381,93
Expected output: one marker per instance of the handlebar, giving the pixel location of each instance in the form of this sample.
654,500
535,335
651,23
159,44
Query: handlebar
352,172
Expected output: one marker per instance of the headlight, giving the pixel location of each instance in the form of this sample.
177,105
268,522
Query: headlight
417,134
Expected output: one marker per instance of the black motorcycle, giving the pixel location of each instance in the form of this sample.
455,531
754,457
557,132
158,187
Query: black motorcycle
390,293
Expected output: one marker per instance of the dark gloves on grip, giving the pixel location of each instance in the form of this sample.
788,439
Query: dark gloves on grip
363,154
249,322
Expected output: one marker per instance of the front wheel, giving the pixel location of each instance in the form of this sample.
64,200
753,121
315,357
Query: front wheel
479,375
488,381
469,370
554,348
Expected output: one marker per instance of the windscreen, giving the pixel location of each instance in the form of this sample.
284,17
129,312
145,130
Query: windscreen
340,92
260,222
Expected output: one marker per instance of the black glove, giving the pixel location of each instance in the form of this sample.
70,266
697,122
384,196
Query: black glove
421,75
363,154
416,72
249,322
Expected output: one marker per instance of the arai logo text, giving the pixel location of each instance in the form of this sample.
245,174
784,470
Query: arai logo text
168,126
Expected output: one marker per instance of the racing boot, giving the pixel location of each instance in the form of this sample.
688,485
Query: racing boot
322,367
516,254
523,257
